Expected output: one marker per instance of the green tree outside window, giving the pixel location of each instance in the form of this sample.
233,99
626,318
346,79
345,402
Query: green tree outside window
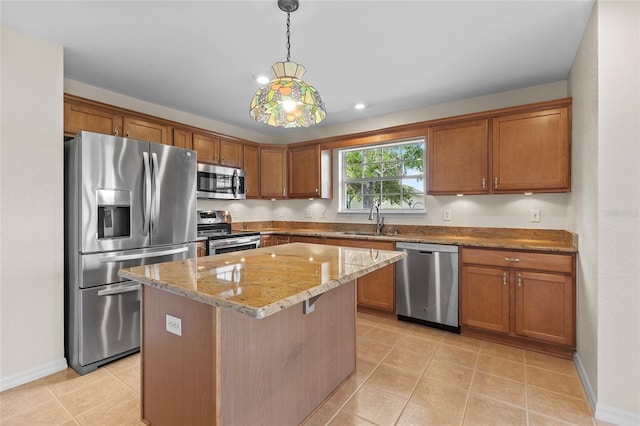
391,176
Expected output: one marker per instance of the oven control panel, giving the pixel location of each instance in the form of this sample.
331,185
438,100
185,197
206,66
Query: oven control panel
206,217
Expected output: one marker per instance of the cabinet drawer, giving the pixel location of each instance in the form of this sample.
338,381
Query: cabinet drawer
518,259
381,245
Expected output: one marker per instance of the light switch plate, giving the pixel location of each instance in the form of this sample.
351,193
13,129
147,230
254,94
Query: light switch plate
534,215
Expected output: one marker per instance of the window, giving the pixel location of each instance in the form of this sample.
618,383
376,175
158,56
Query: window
390,175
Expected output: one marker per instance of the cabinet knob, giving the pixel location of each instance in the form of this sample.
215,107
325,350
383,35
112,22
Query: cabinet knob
504,278
128,135
316,190
115,132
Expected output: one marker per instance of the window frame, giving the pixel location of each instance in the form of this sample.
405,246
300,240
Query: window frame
342,181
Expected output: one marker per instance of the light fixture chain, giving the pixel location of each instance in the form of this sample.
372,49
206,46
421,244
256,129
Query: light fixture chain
288,36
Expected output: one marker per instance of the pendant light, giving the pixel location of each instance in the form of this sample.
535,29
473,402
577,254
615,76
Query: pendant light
287,101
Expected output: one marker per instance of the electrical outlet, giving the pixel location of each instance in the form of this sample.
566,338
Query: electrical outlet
281,212
446,214
234,213
323,214
307,212
174,325
534,215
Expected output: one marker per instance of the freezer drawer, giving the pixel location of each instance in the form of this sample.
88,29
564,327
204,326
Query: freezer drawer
110,321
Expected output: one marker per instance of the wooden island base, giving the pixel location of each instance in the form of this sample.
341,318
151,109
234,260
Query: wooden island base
230,369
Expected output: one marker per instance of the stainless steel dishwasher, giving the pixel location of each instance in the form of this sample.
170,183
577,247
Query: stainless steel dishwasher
427,285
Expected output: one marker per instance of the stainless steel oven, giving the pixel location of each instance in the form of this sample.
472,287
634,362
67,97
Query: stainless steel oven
219,182
212,224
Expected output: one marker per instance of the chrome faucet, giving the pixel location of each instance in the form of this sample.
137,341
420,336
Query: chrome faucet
379,219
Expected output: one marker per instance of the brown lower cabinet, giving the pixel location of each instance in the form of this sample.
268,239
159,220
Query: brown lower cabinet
201,248
521,298
274,240
377,289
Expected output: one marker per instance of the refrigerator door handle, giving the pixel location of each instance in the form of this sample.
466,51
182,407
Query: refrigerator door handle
119,290
156,192
147,192
121,257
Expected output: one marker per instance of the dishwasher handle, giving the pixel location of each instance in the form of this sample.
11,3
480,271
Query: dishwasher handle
425,252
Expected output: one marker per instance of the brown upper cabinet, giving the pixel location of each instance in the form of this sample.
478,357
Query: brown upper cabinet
309,172
252,171
273,171
216,150
457,155
79,116
516,150
532,152
146,130
182,138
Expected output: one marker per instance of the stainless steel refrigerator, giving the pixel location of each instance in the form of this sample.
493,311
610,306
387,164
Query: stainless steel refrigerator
127,203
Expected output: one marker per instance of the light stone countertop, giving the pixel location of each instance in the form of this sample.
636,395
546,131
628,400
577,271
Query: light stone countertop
261,282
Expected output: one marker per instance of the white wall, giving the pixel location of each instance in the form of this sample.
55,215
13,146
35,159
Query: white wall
619,212
583,87
31,209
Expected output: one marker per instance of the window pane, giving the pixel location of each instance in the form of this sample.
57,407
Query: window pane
390,175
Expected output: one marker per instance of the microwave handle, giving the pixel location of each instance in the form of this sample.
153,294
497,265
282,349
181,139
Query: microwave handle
235,186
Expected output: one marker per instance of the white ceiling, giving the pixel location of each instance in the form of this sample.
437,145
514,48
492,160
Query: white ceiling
202,57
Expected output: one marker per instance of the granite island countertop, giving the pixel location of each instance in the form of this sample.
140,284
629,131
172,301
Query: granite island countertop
261,282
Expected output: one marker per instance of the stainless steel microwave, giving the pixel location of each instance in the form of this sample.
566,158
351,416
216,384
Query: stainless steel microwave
218,182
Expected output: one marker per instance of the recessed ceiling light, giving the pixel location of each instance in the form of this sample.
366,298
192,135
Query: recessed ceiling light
262,79
360,105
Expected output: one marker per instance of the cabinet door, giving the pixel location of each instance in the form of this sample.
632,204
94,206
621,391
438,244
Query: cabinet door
273,172
93,119
201,247
144,130
532,152
545,307
280,239
484,297
252,171
182,139
309,172
377,289
266,241
457,156
231,153
207,148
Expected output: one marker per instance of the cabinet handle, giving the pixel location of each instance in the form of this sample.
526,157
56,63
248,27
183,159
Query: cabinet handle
519,280
504,278
115,132
484,183
495,182
316,190
128,134
512,259
223,159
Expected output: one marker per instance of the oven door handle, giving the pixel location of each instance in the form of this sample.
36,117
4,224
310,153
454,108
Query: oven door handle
232,242
119,290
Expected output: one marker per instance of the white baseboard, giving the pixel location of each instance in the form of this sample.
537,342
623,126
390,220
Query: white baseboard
617,416
32,374
591,396
603,412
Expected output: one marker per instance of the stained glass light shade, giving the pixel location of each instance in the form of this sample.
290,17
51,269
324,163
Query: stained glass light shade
287,101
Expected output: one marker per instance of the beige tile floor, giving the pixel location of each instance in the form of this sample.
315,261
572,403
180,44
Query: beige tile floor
406,375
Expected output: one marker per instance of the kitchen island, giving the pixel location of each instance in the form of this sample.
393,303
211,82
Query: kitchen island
248,338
